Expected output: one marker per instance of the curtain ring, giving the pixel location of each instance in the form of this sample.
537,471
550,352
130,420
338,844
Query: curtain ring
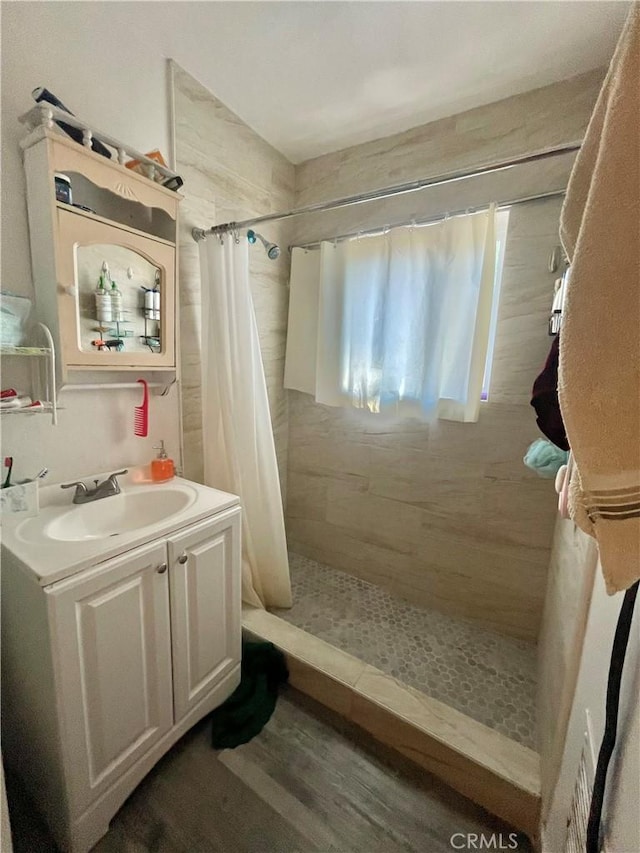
236,236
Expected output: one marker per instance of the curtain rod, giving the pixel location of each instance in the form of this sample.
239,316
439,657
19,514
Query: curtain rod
501,205
399,189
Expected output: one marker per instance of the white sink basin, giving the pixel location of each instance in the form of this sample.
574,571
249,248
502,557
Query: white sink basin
117,514
65,538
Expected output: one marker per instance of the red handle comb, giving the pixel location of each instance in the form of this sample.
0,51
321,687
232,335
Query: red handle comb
141,413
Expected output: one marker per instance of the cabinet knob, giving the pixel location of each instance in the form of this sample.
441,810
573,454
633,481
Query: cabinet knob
182,559
162,568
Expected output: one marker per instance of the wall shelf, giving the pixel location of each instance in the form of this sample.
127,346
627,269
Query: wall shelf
123,218
41,118
88,214
47,409
34,351
48,397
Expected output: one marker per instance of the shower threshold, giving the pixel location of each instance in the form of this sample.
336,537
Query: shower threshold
349,645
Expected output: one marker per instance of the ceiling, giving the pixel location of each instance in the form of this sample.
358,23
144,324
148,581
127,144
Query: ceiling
314,77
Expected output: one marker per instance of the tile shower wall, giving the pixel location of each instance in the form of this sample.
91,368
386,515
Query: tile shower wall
444,515
230,174
572,569
521,124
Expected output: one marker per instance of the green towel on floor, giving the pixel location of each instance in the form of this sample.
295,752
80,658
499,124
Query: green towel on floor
249,708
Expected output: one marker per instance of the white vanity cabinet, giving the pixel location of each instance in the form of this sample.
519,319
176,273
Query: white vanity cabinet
104,670
205,610
111,636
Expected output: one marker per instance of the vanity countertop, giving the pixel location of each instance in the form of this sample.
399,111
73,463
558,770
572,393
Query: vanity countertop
65,538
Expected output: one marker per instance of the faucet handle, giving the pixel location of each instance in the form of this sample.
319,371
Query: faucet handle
118,473
78,484
112,480
80,493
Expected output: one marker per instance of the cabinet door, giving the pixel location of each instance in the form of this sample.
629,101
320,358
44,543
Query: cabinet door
84,244
112,647
204,566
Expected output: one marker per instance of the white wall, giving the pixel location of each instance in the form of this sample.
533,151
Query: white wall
103,65
621,813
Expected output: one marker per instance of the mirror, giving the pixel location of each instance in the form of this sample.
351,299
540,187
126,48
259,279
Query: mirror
126,317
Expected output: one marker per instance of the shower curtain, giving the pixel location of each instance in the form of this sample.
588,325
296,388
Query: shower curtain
238,445
398,322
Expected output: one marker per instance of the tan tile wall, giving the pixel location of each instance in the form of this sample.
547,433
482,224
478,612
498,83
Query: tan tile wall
572,568
445,515
230,173
518,125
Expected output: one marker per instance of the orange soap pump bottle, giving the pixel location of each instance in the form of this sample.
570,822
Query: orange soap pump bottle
161,467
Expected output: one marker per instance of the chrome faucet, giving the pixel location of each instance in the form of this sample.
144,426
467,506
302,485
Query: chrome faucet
106,489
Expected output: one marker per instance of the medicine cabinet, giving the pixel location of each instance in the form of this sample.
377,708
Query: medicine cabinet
103,249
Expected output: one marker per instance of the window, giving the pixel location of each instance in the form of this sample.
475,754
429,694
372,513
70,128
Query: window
399,322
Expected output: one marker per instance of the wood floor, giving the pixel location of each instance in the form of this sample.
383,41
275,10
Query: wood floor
308,782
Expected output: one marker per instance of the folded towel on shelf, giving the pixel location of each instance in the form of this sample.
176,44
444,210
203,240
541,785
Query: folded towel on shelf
599,374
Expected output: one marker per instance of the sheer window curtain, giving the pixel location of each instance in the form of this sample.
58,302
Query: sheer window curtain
397,322
239,450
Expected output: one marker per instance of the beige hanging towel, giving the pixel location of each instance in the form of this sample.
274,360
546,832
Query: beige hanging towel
599,375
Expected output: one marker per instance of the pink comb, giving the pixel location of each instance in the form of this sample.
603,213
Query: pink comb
141,413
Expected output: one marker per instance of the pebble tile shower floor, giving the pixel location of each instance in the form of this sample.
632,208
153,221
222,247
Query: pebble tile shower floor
483,674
